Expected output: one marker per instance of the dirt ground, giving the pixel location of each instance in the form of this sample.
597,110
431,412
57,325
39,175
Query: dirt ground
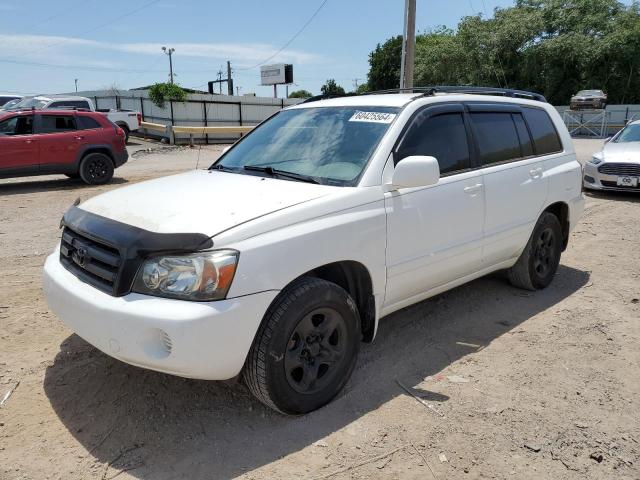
521,385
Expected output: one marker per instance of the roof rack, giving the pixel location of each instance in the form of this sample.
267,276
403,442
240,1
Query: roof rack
433,89
326,97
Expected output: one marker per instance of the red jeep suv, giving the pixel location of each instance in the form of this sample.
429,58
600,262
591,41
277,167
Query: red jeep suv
75,143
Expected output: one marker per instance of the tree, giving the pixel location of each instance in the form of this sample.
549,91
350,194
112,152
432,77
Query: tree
332,88
301,94
384,61
159,93
555,47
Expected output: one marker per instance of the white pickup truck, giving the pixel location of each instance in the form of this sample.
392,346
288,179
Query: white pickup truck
128,120
280,259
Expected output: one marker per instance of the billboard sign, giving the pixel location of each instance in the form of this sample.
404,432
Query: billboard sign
276,74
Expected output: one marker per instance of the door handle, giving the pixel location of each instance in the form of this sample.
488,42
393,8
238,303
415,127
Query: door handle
28,141
536,172
79,138
473,188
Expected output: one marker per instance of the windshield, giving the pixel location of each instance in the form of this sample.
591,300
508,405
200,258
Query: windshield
31,103
630,133
331,145
11,104
590,93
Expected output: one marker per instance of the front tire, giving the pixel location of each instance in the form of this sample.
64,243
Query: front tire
539,261
306,347
96,169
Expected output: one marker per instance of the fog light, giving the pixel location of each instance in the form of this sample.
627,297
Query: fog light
589,179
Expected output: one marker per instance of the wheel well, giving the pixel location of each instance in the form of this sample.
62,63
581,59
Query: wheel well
355,279
104,151
123,126
561,211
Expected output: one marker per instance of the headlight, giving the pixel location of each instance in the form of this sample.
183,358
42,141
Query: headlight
202,276
595,160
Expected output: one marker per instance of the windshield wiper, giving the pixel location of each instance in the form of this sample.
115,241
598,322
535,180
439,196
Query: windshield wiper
275,172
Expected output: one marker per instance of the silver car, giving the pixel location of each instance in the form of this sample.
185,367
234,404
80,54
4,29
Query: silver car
617,166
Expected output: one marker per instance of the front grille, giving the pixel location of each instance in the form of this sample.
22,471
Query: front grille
607,183
620,169
92,262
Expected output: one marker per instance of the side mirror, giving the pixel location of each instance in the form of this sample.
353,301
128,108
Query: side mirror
416,171
226,149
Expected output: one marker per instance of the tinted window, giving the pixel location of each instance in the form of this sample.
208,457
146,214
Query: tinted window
497,137
19,125
70,103
443,137
57,123
86,123
545,137
523,134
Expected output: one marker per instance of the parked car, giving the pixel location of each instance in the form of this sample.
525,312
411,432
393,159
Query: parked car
617,166
585,99
8,97
128,120
9,105
282,257
75,143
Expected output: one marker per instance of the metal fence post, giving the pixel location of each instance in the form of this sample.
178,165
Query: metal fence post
206,120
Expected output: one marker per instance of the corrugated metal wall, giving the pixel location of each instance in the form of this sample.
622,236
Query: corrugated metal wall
198,110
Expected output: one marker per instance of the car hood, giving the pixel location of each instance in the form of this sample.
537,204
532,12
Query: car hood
624,152
201,201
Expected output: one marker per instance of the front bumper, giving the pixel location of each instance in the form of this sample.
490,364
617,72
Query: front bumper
592,179
204,340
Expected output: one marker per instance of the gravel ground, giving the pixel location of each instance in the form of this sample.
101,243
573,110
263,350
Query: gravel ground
521,384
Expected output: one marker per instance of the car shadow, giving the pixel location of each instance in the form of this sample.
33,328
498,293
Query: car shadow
633,197
46,186
158,426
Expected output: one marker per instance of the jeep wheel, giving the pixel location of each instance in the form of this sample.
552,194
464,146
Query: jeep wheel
539,261
96,169
306,347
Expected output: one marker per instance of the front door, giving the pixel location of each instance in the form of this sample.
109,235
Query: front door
434,233
18,146
60,141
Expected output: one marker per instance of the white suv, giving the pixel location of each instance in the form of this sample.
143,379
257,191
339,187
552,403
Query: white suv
278,260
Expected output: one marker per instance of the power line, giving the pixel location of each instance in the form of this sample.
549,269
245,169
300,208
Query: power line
93,29
291,39
78,67
59,13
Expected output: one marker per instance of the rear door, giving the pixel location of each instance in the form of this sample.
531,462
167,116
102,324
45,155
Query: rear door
515,184
434,233
59,139
18,146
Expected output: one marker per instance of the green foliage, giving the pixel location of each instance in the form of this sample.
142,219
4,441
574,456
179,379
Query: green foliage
332,88
159,93
301,94
555,47
363,88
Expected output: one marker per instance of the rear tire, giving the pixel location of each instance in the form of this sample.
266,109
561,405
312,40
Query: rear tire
96,169
539,261
306,347
126,131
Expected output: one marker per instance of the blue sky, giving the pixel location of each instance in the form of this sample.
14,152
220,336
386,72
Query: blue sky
45,45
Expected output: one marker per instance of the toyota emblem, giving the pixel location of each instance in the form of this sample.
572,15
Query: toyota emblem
81,256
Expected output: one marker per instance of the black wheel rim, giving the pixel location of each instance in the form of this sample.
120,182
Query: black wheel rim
97,169
315,351
544,253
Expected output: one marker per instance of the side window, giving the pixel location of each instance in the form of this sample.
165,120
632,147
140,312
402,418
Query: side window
70,104
57,123
545,136
442,136
523,134
496,136
18,125
87,123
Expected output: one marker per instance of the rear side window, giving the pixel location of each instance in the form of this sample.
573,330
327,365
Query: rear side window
523,134
496,136
18,125
57,123
442,136
545,136
70,104
87,123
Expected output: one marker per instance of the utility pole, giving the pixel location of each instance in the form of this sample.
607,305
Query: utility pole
356,83
408,45
229,80
238,90
169,51
76,80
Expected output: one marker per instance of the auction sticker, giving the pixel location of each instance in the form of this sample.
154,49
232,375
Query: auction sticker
373,117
